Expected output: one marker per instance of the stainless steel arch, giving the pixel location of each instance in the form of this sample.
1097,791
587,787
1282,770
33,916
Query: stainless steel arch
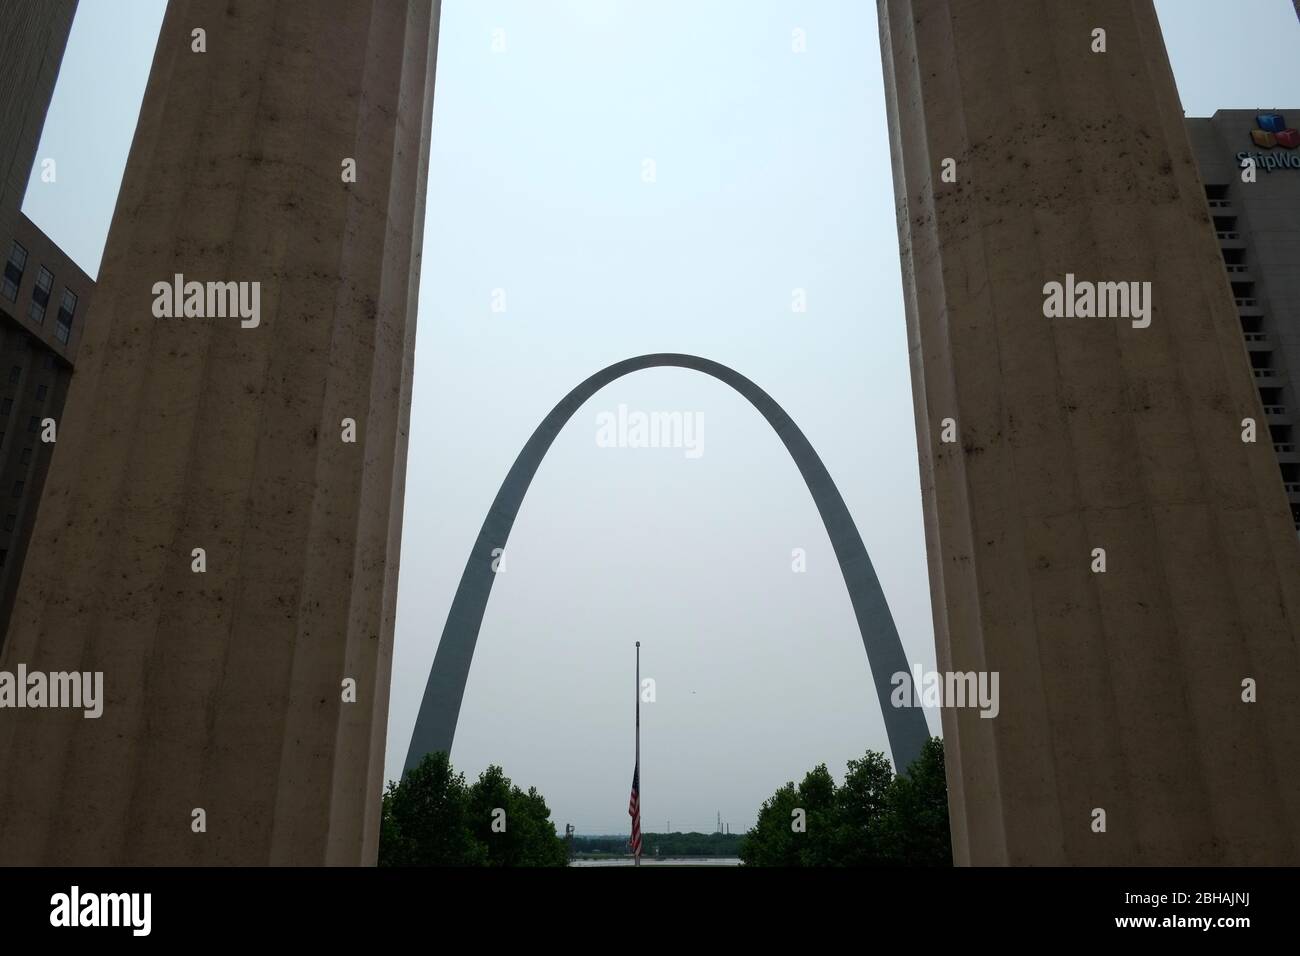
435,727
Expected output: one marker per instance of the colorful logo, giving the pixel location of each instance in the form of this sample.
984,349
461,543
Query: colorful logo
1273,131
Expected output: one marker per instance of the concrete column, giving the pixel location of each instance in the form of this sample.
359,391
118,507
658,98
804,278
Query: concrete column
224,689
1120,691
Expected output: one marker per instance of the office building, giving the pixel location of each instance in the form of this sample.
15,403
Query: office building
1257,224
44,295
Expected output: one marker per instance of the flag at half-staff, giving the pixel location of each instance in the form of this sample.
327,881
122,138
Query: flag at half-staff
634,803
634,809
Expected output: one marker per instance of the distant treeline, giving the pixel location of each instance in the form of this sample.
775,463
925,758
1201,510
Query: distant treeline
661,844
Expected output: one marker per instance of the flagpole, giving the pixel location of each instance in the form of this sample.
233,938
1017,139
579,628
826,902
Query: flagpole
637,861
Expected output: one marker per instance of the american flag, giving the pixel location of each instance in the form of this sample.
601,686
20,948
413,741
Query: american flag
634,811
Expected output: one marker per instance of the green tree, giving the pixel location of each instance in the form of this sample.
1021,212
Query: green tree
426,820
874,819
774,841
913,824
515,827
817,798
543,846
771,842
431,818
861,801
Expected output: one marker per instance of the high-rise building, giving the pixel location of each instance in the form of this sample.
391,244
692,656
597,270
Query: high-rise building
1256,214
43,294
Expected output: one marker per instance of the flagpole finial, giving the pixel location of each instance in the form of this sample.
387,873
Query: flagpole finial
638,643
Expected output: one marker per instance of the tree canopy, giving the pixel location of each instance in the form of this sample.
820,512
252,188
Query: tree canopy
873,819
432,818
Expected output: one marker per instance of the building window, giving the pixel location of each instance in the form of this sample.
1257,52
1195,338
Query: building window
33,424
26,456
3,553
41,391
41,296
63,327
15,373
14,269
10,521
18,489
6,405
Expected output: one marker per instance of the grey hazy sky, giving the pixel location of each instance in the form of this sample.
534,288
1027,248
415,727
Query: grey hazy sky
772,174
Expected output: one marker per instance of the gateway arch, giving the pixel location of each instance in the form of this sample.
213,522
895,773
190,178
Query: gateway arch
435,727
1021,153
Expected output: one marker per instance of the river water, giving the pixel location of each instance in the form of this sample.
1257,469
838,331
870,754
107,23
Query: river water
664,861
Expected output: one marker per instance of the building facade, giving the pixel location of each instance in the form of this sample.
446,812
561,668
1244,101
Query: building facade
43,300
43,294
1256,215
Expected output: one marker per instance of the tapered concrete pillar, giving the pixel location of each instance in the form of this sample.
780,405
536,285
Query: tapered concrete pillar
1121,690
226,681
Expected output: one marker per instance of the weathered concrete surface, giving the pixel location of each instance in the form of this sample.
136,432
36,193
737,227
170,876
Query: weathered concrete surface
223,688
1123,690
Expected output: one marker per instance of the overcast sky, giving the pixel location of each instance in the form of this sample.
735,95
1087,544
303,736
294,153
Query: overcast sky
771,174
